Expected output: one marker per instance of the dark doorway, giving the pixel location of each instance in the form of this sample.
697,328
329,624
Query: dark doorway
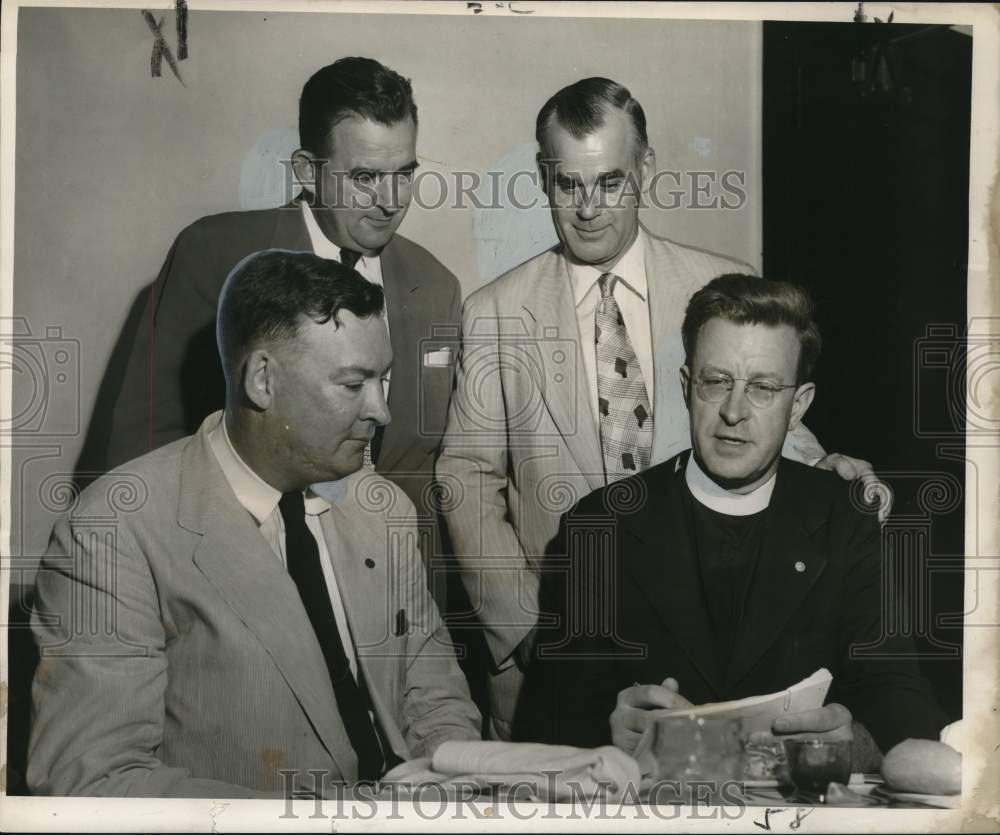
866,173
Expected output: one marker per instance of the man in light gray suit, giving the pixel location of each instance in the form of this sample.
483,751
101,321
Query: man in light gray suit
223,631
568,373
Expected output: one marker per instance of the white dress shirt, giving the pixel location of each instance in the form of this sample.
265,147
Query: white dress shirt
261,501
370,266
631,294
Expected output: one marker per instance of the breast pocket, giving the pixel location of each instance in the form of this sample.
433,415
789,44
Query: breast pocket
436,377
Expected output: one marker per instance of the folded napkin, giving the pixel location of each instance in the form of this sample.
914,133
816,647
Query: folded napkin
553,772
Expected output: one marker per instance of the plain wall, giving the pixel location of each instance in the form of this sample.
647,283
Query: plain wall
112,163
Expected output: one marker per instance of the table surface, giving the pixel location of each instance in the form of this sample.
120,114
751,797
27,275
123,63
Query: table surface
863,790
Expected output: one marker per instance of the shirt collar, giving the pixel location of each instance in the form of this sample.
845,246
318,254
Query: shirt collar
321,244
717,498
257,496
630,269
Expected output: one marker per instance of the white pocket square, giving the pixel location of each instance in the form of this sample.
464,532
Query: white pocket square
441,358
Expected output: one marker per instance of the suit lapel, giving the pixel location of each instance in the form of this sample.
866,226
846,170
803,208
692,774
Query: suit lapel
669,289
243,569
290,229
559,370
360,554
665,568
778,588
402,295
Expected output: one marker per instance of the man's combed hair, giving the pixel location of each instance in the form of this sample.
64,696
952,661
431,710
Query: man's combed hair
751,300
581,109
351,87
269,294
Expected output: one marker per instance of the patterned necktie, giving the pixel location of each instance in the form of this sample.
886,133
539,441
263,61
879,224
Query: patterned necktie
302,555
370,462
366,462
625,417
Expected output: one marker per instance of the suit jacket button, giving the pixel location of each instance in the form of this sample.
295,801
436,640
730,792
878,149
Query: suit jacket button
370,562
800,566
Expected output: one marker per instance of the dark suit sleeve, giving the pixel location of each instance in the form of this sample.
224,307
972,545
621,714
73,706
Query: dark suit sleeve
454,317
880,682
173,378
571,682
455,308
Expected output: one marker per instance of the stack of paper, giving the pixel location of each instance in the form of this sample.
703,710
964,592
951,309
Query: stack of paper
759,712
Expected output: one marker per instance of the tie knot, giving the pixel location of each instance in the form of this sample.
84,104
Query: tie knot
349,257
607,284
292,506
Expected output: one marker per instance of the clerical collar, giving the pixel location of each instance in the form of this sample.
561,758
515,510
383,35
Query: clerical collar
717,498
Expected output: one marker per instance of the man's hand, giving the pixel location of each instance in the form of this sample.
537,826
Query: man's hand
851,468
832,721
632,714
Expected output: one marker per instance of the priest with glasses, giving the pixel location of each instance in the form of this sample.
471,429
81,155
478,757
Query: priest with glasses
726,571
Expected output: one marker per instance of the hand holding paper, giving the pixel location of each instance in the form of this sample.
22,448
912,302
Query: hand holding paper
638,706
832,721
797,709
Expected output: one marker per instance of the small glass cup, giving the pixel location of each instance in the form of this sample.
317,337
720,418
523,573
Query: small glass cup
815,763
696,755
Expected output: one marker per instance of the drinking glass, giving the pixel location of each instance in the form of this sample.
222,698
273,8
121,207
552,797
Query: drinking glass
815,763
690,750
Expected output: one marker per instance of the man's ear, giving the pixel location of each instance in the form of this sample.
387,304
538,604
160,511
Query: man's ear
647,168
544,170
304,167
258,378
800,404
686,385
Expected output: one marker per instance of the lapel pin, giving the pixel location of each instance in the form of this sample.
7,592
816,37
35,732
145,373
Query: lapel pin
370,562
800,566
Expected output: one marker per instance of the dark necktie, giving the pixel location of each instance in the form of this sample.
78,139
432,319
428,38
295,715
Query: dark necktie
625,417
349,257
302,554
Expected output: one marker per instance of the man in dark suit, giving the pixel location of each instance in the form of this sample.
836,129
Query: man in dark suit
208,626
358,129
726,571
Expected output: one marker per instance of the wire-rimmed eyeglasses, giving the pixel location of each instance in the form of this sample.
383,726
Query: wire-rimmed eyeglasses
714,387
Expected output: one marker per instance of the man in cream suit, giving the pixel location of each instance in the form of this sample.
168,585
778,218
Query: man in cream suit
568,373
207,625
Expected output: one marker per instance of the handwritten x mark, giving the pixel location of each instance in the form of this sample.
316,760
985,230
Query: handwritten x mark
160,49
